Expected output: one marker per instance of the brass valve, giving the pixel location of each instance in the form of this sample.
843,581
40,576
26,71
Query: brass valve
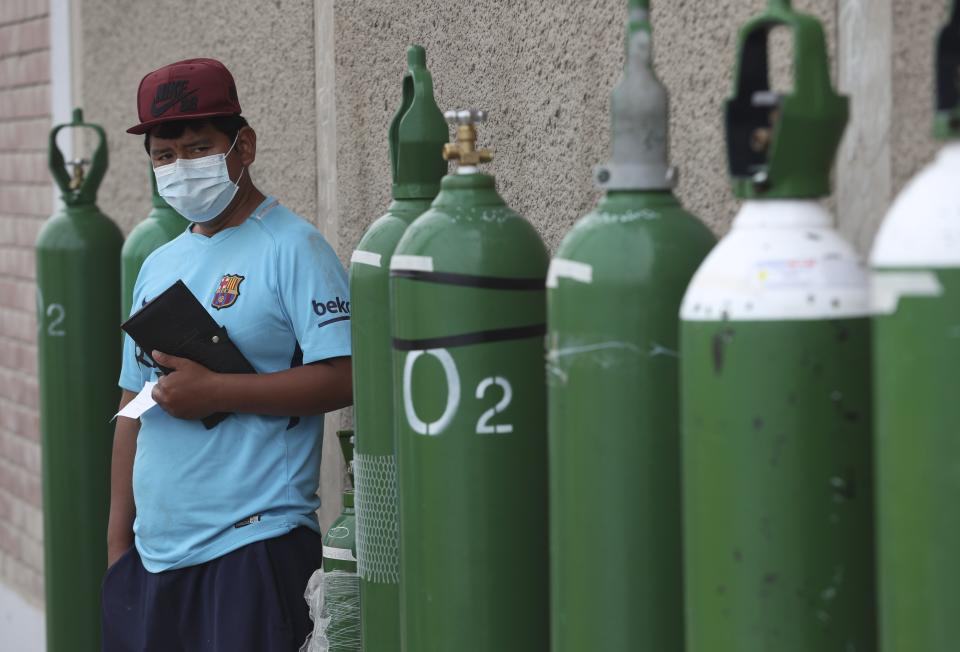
464,150
77,179
762,137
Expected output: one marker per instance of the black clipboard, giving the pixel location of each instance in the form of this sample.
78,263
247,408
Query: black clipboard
175,322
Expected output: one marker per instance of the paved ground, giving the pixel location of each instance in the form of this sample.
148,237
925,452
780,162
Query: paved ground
22,623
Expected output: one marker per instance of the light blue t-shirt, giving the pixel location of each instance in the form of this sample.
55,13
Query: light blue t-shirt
277,286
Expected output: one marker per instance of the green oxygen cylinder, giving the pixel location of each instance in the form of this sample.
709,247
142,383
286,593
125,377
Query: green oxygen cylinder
614,291
341,590
162,225
78,302
775,382
468,304
916,304
417,135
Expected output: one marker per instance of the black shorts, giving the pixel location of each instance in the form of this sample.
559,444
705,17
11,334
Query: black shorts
249,599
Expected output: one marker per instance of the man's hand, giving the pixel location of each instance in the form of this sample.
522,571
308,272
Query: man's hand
189,391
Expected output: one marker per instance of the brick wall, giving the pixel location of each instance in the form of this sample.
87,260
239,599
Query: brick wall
25,201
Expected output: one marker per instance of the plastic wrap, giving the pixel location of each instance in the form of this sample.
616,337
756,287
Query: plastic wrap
334,601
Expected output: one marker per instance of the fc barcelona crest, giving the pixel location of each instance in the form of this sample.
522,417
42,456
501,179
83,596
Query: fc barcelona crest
227,292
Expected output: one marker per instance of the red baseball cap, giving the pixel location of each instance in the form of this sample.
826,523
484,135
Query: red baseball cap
186,90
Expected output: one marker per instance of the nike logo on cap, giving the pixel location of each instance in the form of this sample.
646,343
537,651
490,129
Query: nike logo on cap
161,104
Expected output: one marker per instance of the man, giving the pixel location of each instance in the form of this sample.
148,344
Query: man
212,533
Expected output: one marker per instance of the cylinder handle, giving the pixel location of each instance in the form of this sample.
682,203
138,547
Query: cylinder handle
417,134
81,186
782,146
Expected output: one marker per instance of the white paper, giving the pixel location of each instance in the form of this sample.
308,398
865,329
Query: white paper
140,403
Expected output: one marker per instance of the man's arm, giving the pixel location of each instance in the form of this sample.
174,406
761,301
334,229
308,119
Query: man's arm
192,391
122,508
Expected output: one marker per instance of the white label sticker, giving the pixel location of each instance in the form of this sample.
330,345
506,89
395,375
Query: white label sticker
796,273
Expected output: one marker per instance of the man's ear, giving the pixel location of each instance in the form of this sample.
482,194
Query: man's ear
247,145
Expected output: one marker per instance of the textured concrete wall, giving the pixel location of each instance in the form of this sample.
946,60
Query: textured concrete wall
544,71
864,74
886,65
25,201
268,46
914,26
333,472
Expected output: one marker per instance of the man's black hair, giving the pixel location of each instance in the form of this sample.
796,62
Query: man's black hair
229,125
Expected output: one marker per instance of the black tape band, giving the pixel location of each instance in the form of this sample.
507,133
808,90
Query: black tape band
479,337
467,280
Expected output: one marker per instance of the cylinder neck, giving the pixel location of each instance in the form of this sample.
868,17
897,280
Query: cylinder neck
639,115
477,189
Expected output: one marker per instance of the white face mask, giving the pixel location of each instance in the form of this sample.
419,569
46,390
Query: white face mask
200,189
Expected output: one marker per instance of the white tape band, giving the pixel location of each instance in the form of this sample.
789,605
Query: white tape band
563,268
365,258
340,554
412,263
889,287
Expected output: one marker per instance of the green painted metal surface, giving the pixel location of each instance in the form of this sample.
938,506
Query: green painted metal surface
783,146
917,412
614,427
468,322
417,136
78,303
162,225
614,293
778,486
